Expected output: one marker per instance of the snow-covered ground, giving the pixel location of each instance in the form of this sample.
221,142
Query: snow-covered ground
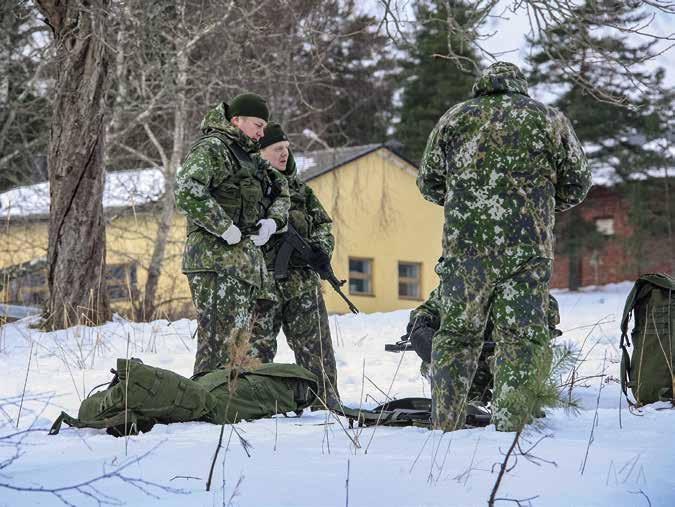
311,460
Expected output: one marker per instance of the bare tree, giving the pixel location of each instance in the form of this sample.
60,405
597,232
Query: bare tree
175,59
76,252
24,109
475,30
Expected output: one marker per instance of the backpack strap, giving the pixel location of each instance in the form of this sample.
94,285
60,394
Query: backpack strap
625,369
127,417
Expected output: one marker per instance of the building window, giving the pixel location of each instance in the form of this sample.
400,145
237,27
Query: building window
121,281
409,280
29,289
605,226
361,276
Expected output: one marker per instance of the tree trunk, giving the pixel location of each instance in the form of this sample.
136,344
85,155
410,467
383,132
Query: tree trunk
76,250
167,205
669,219
574,269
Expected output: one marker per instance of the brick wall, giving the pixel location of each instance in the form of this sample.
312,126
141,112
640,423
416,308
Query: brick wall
613,262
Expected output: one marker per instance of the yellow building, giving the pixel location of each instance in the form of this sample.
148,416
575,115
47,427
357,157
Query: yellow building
388,238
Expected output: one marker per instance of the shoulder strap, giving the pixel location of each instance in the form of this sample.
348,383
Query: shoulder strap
126,416
237,151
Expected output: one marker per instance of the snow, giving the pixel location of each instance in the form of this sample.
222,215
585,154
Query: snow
122,189
304,161
304,461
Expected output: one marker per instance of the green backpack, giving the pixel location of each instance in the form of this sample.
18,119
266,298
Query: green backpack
648,371
270,389
140,396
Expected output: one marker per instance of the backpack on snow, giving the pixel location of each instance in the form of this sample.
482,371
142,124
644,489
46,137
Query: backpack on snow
648,371
141,396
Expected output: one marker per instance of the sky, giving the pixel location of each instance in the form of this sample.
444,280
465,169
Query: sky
507,34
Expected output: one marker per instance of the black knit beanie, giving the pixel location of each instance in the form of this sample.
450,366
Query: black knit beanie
273,134
248,104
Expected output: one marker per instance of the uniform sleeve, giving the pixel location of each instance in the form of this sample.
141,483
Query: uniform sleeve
427,314
322,224
281,203
206,163
431,175
573,171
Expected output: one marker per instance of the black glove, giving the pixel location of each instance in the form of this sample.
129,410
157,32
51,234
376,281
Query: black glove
420,339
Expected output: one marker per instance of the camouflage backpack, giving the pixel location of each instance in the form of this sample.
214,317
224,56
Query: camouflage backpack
141,396
648,371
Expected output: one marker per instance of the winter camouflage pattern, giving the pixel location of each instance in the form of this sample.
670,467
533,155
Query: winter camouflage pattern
501,164
296,303
428,314
306,214
206,186
224,307
300,310
513,294
214,189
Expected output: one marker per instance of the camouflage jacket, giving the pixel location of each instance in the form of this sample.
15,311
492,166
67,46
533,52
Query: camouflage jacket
502,164
207,182
307,215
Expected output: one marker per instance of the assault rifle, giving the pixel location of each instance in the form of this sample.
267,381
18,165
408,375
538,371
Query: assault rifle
293,242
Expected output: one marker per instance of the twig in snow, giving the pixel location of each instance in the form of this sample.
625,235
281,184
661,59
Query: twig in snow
502,470
215,456
595,417
25,383
347,485
276,424
185,477
519,502
640,492
88,488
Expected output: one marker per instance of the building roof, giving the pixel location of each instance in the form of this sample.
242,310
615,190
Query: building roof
125,189
315,163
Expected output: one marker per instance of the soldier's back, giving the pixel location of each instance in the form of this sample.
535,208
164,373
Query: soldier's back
500,152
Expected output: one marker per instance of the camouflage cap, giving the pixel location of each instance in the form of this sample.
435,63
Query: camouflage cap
500,77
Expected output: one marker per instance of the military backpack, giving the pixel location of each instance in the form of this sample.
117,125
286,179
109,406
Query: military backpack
140,396
648,370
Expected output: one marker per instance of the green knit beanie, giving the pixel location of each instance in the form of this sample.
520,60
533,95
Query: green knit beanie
248,104
273,134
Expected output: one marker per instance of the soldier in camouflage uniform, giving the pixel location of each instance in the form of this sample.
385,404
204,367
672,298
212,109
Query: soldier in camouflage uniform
425,320
296,303
501,164
234,201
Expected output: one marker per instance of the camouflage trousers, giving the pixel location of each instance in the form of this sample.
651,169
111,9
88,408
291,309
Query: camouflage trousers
510,292
224,307
296,305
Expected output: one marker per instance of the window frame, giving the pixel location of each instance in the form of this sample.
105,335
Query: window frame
609,223
370,277
128,283
409,280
